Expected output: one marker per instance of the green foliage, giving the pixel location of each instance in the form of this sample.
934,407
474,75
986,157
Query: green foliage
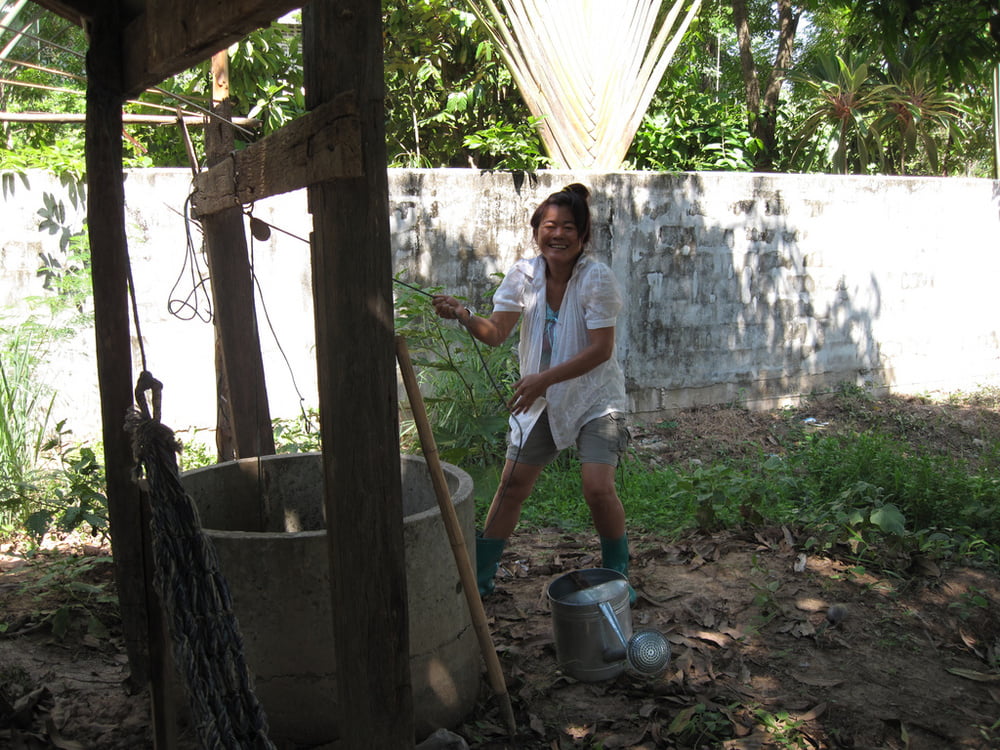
837,130
688,129
464,383
700,726
69,493
510,147
26,409
857,118
69,600
446,83
960,39
266,75
196,453
918,117
298,435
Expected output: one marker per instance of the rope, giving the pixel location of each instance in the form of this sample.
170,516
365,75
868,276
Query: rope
207,644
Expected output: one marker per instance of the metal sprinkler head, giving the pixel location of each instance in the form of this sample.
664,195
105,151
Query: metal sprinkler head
648,652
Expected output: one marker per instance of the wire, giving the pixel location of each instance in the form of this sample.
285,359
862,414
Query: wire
197,303
502,492
270,324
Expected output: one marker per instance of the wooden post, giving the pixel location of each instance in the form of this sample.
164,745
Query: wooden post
109,271
243,403
352,288
142,618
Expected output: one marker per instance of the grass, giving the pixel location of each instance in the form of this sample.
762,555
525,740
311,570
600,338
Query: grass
865,493
26,409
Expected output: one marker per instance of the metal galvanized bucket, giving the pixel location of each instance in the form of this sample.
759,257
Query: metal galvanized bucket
592,621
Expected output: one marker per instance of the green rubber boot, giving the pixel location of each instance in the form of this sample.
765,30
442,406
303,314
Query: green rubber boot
488,551
614,556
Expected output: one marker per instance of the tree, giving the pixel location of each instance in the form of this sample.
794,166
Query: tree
961,40
762,101
450,100
588,75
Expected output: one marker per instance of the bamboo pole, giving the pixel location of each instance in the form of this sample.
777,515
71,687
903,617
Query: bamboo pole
127,118
451,524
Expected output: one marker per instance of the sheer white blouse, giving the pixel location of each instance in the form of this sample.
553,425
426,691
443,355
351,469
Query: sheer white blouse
592,300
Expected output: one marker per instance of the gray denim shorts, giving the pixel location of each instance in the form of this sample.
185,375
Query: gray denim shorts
601,441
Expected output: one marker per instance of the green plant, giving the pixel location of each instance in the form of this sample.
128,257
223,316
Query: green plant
918,115
512,147
700,725
299,434
971,601
691,130
26,408
464,383
73,593
839,127
783,730
71,494
196,453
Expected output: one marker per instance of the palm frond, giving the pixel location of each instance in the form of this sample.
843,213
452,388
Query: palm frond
587,68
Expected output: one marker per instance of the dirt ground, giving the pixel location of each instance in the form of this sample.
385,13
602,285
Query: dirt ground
912,662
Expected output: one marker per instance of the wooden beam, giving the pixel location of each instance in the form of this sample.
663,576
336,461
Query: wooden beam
355,357
173,36
322,145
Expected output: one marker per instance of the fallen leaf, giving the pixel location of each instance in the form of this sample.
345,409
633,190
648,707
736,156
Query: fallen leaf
719,639
755,741
970,642
971,674
536,724
817,711
817,680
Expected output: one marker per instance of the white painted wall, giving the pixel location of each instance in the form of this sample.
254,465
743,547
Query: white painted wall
744,287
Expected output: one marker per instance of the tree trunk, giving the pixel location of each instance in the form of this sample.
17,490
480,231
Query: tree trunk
763,110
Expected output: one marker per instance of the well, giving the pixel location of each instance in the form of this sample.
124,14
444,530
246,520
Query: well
266,519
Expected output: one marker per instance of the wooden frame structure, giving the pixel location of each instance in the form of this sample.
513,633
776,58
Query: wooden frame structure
337,151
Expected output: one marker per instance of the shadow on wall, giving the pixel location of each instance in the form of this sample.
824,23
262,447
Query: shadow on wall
747,288
737,301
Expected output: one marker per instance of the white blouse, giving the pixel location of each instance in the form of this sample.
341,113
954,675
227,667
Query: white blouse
592,301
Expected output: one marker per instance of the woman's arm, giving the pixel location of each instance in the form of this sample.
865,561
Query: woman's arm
492,331
599,349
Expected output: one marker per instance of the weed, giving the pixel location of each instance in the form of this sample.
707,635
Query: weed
71,494
971,601
299,434
68,600
465,383
26,410
700,726
783,729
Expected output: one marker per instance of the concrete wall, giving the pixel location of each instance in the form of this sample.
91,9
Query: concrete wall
739,287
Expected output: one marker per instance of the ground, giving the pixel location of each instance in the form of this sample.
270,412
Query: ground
911,661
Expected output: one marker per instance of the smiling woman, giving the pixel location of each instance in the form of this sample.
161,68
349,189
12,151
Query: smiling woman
571,389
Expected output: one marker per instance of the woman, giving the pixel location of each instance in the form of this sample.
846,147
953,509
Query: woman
571,389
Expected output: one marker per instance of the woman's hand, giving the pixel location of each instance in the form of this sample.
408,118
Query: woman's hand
449,308
527,390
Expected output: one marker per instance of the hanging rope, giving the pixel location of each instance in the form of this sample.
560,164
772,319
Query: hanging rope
207,644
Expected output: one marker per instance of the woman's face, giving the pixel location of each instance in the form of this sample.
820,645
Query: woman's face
557,236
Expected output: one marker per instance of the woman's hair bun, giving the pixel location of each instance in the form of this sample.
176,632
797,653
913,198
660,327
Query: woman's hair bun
579,189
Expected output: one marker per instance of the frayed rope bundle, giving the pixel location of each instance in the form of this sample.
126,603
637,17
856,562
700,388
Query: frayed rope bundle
207,644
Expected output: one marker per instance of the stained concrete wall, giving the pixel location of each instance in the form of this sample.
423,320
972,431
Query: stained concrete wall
739,287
